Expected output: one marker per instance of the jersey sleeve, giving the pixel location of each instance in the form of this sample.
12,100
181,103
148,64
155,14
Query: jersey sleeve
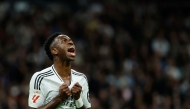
36,95
85,95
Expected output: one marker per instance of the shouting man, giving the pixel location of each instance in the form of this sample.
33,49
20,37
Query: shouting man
59,86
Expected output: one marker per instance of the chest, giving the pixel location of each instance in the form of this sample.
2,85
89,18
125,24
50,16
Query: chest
67,80
51,88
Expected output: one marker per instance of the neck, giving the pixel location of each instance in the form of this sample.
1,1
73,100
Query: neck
63,68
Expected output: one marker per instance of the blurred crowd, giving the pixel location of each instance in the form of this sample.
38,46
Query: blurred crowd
135,54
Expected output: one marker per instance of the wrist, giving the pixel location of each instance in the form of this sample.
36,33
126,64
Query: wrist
58,99
79,103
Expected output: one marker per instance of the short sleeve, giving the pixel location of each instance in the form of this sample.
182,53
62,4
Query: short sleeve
85,95
36,95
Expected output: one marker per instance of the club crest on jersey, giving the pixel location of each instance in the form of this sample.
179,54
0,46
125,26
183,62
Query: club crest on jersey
37,92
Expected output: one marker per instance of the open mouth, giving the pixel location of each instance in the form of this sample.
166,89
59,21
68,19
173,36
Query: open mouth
71,51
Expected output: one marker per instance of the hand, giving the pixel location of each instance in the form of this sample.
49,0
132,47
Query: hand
64,92
76,90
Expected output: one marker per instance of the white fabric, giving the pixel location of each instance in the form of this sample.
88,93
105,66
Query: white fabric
44,86
79,103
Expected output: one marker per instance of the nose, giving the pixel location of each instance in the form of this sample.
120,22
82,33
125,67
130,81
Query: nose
70,42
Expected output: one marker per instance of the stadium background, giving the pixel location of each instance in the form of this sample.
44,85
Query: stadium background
135,53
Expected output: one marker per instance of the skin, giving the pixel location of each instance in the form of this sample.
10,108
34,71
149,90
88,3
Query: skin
62,63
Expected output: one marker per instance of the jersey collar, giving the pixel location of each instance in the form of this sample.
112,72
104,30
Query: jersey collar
53,68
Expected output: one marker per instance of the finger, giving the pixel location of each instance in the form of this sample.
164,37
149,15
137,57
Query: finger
73,89
76,88
62,86
76,91
68,93
65,85
66,89
77,84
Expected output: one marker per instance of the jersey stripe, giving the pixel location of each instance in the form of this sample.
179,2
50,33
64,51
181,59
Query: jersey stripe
37,78
79,74
36,84
42,77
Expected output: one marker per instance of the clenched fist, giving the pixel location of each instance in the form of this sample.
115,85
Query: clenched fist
76,90
64,92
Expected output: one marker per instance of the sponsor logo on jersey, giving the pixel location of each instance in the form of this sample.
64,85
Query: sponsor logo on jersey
69,102
35,98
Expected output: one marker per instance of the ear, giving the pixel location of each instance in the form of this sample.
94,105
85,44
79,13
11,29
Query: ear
54,51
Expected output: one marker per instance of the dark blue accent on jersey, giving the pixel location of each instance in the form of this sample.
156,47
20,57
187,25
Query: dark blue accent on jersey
88,97
37,80
42,77
35,84
79,74
56,74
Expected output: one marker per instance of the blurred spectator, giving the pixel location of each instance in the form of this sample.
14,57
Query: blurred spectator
136,54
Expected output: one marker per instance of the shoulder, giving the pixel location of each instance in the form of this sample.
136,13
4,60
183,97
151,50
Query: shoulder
43,73
39,76
76,73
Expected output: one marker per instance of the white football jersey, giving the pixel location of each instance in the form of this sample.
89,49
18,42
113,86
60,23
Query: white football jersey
44,86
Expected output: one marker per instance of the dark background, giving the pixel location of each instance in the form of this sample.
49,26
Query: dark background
135,54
